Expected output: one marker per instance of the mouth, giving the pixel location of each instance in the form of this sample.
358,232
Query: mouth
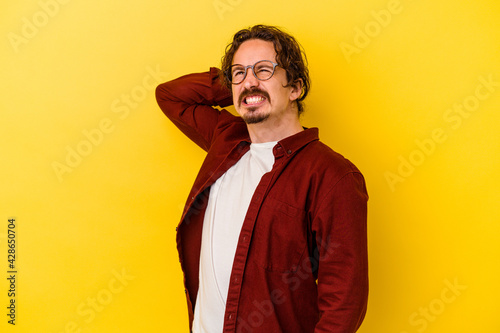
253,100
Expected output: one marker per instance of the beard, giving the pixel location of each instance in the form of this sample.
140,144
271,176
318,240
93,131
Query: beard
254,118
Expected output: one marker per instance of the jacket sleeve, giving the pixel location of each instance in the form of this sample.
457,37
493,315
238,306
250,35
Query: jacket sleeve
341,238
189,101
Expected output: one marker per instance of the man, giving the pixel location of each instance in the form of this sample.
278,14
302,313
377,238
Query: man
273,234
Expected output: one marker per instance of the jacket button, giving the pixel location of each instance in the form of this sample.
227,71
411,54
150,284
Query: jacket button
289,152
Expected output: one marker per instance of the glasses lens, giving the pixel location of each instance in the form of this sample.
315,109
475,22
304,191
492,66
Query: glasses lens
237,74
264,69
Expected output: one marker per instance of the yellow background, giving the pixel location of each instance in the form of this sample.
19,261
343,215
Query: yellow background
117,209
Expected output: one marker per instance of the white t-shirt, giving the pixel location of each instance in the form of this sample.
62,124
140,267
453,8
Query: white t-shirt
227,206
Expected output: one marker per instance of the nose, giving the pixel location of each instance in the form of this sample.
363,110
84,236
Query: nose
250,79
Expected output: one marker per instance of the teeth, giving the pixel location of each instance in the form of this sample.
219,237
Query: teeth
254,99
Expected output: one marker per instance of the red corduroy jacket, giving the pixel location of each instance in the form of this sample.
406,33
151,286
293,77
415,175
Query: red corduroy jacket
301,261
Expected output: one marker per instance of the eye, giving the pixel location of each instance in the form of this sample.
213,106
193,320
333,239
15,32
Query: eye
238,71
264,69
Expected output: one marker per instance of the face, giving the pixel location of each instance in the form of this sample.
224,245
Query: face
258,101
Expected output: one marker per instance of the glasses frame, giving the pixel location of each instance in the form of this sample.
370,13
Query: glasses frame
230,77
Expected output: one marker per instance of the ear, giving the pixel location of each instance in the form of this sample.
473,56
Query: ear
296,89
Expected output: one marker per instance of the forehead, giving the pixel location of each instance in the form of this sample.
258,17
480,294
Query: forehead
254,50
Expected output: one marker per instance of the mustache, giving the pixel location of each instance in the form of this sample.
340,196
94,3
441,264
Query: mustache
249,92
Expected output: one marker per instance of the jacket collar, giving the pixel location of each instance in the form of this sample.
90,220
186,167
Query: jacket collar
290,145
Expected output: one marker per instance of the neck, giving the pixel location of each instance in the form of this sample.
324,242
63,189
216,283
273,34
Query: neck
273,129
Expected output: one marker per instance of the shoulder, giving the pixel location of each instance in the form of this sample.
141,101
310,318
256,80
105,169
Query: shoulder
329,170
321,157
332,176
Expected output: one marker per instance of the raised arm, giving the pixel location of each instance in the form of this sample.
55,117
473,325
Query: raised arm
189,103
340,227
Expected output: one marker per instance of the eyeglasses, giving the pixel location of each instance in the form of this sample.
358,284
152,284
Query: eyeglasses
262,70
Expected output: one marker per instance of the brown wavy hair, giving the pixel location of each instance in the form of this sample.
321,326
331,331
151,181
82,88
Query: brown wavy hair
289,55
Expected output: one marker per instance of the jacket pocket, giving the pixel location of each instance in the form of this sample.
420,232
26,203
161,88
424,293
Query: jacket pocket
280,236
